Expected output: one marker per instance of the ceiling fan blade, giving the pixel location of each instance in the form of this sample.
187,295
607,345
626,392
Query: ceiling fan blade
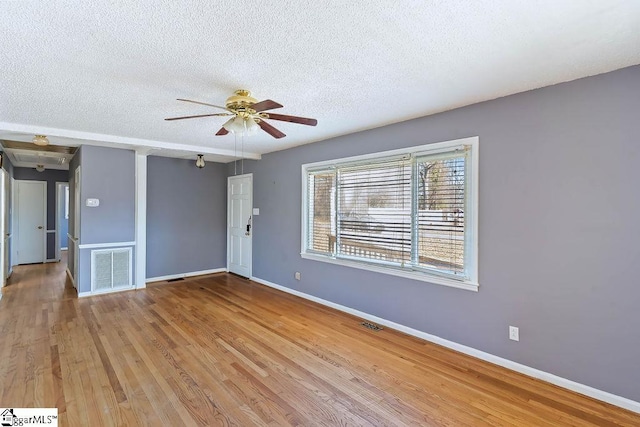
270,129
293,119
203,103
222,131
200,115
265,105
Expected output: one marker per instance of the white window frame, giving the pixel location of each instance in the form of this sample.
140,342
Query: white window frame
471,224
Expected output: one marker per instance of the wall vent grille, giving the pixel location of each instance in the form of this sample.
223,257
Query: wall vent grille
111,269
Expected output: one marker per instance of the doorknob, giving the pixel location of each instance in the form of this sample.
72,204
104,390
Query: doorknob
39,227
247,233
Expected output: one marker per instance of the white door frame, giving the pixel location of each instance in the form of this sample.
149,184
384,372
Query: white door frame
13,237
246,175
77,208
16,218
4,232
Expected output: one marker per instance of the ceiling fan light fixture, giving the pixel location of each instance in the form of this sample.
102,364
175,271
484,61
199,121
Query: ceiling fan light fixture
40,168
235,125
200,161
41,140
251,126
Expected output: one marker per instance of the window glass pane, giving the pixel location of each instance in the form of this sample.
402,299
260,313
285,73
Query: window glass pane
441,209
374,211
321,195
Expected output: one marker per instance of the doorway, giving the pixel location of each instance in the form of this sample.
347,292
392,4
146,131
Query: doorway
239,224
31,217
62,217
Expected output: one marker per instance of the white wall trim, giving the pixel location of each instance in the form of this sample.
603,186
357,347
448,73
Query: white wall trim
104,291
415,275
64,249
5,216
140,220
14,224
185,275
595,393
105,245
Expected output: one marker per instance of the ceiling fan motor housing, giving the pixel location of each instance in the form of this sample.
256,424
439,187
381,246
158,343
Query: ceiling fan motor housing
241,101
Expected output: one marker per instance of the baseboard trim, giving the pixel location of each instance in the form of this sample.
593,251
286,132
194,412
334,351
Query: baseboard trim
104,292
71,278
185,275
595,393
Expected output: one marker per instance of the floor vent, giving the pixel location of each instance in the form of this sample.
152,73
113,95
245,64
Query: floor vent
179,279
371,326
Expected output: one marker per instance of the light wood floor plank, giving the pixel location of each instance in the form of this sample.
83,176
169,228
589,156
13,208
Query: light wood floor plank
221,350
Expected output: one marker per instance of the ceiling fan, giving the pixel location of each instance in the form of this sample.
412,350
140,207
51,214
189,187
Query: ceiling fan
247,114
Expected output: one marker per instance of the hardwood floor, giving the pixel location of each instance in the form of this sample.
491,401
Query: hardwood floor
221,350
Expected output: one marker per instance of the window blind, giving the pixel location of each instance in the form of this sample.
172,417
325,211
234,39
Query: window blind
374,211
440,213
321,222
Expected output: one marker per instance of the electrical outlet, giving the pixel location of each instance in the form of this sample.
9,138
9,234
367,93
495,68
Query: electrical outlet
297,275
514,333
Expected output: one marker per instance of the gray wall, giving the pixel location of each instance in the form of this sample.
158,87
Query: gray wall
186,216
51,177
107,174
558,230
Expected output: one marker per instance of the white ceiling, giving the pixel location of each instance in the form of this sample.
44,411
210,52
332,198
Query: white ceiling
108,73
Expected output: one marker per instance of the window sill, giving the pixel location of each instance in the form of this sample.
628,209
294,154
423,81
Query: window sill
415,275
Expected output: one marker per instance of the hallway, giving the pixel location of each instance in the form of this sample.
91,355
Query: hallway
38,284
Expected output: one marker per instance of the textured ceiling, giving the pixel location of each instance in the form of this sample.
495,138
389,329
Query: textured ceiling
109,72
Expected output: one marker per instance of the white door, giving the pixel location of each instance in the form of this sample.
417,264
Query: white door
239,224
31,221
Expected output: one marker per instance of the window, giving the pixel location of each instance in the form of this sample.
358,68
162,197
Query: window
410,212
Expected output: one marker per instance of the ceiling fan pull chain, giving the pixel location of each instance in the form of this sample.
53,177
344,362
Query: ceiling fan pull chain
242,151
235,154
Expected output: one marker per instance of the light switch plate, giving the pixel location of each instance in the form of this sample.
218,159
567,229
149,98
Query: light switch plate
256,211
92,203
